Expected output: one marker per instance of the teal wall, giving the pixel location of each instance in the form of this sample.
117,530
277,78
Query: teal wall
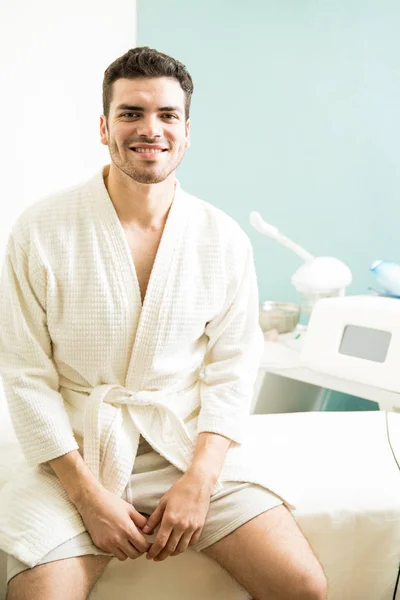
296,114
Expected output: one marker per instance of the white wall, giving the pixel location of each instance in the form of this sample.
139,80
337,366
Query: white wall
52,59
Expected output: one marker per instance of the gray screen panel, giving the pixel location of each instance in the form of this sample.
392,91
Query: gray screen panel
363,342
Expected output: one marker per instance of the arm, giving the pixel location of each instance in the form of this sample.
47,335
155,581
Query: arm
111,522
232,359
233,355
27,368
76,477
209,456
37,409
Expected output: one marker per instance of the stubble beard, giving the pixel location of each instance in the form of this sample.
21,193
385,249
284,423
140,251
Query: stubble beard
142,174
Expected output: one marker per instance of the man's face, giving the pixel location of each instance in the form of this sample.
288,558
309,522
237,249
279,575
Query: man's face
147,133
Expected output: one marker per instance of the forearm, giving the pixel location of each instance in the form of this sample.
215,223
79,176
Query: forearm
209,456
75,476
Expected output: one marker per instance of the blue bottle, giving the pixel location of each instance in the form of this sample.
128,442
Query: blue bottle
387,274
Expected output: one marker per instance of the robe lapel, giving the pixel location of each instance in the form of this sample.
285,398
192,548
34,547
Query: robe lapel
146,335
148,328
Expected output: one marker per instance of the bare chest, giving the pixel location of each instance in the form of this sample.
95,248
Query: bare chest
143,248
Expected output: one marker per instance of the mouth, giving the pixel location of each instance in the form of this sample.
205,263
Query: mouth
148,153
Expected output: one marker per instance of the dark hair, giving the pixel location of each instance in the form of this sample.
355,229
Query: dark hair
145,62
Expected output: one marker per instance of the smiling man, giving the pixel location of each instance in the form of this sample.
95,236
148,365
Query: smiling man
156,159
129,347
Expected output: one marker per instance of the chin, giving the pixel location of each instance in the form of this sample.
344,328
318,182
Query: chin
148,180
150,177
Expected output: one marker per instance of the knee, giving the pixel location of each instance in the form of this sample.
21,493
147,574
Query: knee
314,587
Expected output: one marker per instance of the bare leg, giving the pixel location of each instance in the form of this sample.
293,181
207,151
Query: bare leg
66,579
270,557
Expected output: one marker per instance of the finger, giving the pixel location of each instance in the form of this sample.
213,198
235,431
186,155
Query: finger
196,537
184,542
170,547
137,518
118,553
154,519
138,540
160,542
130,550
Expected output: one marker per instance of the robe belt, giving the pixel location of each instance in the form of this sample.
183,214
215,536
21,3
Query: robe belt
119,396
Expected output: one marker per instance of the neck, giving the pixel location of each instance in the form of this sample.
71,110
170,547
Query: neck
140,205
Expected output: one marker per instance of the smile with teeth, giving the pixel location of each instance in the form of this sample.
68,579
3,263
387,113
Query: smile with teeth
147,150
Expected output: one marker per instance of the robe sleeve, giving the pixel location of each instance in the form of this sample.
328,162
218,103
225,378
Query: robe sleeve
29,375
232,358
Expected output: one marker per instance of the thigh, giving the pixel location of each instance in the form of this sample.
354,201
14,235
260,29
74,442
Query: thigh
270,557
66,579
232,507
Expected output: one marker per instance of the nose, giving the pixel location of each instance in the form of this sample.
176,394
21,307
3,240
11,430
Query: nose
149,127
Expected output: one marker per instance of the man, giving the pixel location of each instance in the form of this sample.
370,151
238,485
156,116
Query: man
129,346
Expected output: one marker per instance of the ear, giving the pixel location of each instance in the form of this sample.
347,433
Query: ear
103,130
187,132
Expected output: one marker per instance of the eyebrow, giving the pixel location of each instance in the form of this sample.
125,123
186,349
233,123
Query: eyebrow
141,109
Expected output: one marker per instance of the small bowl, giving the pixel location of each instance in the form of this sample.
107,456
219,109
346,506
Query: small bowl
282,316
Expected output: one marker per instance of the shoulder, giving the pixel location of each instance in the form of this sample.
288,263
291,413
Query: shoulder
214,225
48,215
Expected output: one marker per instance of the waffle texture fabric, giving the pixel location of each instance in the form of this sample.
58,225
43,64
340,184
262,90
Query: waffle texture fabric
85,365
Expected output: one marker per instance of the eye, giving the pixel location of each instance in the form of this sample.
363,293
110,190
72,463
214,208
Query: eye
130,113
169,116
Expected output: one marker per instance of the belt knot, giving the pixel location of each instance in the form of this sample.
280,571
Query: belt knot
119,395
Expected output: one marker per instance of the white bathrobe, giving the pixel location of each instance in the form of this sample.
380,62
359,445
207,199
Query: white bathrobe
86,366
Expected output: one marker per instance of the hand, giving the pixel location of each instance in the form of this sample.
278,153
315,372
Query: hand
182,512
113,524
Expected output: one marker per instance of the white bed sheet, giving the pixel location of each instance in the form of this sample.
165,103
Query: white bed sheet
349,510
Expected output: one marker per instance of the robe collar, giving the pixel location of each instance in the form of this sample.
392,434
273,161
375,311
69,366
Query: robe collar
147,333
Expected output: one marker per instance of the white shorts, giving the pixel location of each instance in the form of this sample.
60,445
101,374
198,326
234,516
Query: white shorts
151,478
